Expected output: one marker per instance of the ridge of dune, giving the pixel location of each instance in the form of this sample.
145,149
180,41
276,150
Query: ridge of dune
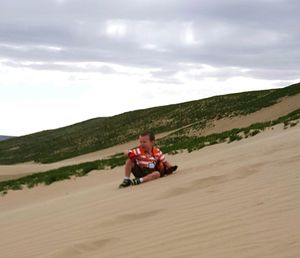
15,171
283,107
227,200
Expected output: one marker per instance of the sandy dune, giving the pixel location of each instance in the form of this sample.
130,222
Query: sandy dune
229,200
283,107
15,171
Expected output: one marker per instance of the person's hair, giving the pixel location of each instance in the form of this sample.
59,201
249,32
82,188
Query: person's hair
150,134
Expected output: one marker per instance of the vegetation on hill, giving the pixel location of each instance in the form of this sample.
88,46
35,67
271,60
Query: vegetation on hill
172,143
62,173
99,133
169,145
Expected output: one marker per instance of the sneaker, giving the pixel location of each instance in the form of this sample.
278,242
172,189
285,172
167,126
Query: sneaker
171,170
126,182
136,181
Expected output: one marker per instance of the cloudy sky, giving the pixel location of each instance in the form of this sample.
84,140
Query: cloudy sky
64,61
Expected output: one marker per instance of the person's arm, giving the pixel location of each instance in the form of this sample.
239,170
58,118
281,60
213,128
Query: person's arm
163,159
168,166
132,154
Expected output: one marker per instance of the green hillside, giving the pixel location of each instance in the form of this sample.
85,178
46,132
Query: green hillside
170,145
100,133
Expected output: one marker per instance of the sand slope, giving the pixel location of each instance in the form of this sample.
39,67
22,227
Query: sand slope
283,107
18,170
229,200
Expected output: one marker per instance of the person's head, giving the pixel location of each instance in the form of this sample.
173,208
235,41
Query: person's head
147,140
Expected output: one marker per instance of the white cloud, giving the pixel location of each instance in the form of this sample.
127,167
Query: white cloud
45,99
154,47
116,28
189,37
64,61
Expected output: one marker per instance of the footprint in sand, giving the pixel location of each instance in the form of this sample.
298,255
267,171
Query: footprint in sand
195,185
82,249
129,217
206,182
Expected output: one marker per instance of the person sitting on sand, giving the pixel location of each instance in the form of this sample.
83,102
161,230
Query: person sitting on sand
146,162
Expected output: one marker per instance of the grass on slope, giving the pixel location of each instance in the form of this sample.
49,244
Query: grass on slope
169,145
172,144
99,133
62,173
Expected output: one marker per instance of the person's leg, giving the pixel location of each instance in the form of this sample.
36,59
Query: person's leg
128,167
141,177
151,176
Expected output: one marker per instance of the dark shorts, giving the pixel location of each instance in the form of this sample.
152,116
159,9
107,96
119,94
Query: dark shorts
137,171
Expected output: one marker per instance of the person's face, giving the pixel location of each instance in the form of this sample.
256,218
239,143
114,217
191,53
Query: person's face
145,142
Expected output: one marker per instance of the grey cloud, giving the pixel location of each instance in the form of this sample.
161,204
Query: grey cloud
259,35
104,69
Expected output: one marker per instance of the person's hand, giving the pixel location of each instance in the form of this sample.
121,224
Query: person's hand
171,170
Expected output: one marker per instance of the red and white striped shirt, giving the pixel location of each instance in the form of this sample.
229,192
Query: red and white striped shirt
144,159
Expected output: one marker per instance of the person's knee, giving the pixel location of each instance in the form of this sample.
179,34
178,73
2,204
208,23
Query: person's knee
155,175
129,162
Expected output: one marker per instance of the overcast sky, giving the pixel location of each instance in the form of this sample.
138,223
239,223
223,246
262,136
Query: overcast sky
65,61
